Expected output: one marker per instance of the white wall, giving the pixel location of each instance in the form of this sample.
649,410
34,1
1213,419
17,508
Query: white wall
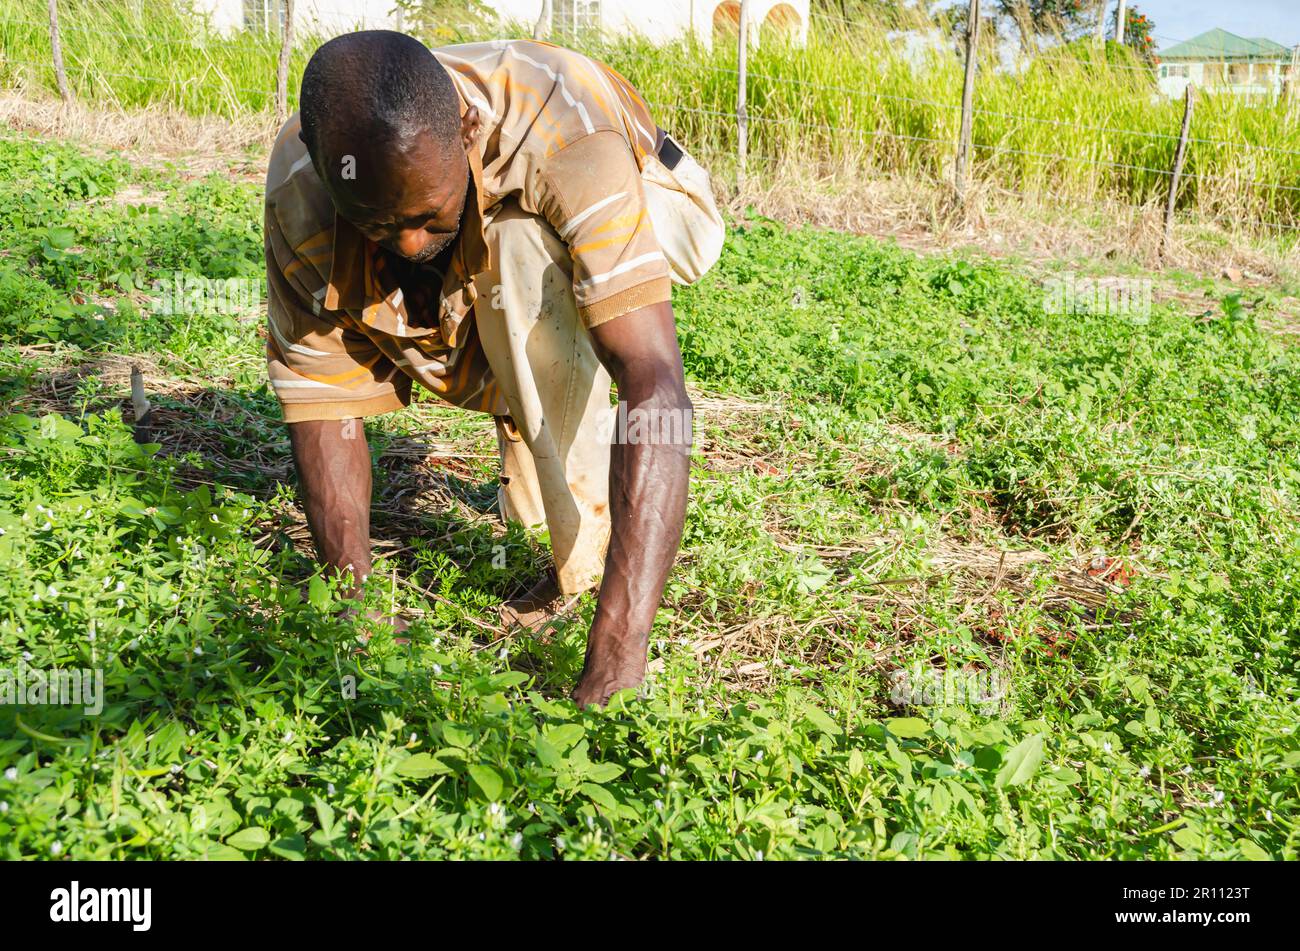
658,20
331,16
1173,86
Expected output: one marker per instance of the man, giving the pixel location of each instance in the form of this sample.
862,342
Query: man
502,223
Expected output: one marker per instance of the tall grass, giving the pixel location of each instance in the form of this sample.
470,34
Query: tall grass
1075,122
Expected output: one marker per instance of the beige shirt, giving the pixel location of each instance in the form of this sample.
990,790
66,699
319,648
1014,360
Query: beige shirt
561,134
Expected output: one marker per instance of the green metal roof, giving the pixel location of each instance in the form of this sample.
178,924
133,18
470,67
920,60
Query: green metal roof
1221,45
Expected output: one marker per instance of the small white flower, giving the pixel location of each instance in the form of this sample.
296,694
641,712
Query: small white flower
494,808
659,805
758,757
4,807
28,655
330,788
505,652
1106,746
758,856
121,603
288,737
56,847
1187,770
517,841
192,731
198,651
11,773
1268,815
53,592
121,586
663,769
108,580
412,739
1144,772
175,768
437,668
1218,797
46,527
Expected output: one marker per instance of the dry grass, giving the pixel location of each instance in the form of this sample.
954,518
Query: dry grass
916,213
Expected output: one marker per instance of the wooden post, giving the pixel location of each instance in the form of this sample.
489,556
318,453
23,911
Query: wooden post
1101,22
56,48
1121,21
967,97
742,92
1180,156
542,28
282,70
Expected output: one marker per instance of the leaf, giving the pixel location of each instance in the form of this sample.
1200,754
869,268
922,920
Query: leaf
250,839
600,796
821,720
460,739
318,593
290,847
907,728
420,765
1020,762
61,238
855,762
488,781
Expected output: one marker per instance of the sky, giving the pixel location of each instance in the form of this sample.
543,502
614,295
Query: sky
1175,20
1178,20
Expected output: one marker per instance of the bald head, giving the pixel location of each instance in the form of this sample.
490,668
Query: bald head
378,87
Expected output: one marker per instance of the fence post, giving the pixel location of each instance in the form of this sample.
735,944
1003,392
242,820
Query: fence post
56,48
1121,21
542,28
282,70
967,95
742,111
1180,156
1101,22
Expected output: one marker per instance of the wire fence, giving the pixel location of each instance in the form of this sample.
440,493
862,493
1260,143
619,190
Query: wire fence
755,96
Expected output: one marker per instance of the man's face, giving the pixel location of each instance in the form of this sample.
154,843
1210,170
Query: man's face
409,200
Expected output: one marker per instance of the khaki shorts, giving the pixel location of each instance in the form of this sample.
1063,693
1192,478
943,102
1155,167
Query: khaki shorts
555,443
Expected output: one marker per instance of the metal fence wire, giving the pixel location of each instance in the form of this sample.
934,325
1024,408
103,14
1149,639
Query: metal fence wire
965,150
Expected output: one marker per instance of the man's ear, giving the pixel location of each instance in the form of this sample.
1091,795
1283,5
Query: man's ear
469,127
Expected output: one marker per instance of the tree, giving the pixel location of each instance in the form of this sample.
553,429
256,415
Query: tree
1066,19
1138,30
442,20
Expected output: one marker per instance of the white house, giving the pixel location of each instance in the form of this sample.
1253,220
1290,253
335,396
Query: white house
659,21
1222,61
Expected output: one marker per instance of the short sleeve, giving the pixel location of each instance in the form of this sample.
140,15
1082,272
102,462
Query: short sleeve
591,193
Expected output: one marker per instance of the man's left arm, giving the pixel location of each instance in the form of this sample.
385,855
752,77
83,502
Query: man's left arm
649,473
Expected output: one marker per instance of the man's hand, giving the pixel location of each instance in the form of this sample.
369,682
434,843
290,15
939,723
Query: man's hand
648,476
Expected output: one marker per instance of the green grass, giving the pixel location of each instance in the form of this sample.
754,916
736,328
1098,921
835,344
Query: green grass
886,419
1076,124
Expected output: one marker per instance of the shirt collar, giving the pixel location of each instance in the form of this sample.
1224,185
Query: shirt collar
351,284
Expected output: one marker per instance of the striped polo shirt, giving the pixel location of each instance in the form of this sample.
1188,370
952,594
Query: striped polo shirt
561,134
